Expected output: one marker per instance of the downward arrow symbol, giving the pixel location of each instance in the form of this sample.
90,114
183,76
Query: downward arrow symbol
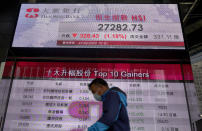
74,35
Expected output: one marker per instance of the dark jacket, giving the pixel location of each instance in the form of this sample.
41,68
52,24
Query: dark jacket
115,115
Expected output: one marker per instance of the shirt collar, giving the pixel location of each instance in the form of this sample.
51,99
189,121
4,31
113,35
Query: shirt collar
105,93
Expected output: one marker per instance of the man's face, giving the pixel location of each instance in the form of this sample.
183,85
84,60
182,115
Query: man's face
96,89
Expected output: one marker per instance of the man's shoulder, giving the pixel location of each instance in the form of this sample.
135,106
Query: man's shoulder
118,90
111,94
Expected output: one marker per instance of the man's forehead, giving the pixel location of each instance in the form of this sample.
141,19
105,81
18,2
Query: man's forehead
93,86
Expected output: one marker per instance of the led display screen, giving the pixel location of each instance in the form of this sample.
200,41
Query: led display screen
136,26
54,96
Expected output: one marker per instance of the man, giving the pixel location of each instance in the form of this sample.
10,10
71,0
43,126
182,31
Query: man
114,116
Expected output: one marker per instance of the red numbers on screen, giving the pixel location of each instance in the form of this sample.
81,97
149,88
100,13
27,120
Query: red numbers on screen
89,35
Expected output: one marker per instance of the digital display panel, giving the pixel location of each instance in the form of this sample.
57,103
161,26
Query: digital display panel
54,96
136,26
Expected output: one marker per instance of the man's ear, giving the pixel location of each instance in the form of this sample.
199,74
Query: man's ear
102,86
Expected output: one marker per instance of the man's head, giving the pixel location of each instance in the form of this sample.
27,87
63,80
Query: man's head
98,87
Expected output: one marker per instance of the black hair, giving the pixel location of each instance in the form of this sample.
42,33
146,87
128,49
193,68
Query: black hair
98,81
